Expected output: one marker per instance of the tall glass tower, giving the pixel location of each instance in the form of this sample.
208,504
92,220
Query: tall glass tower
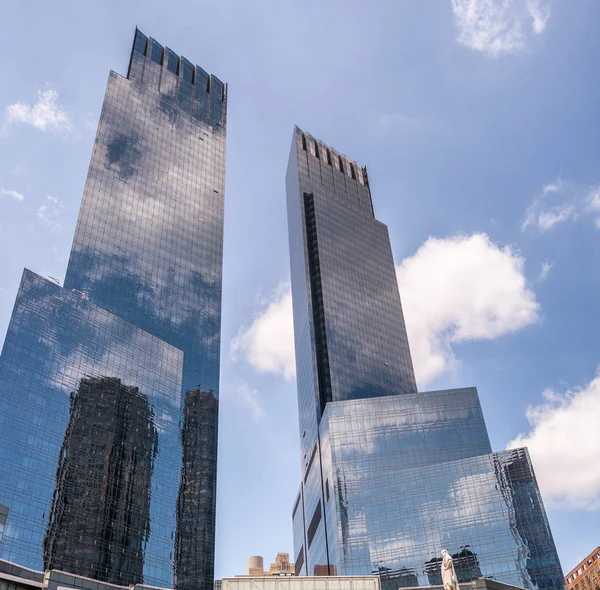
109,386
390,476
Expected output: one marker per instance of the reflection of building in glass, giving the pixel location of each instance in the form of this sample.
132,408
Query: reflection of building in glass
100,515
466,567
586,574
390,476
433,569
141,304
394,579
195,501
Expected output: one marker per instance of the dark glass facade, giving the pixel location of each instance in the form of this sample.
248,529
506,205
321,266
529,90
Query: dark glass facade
107,467
109,386
390,476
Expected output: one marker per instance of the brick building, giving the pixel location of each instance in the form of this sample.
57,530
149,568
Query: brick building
586,574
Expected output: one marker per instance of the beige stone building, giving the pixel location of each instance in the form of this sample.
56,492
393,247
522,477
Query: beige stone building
281,567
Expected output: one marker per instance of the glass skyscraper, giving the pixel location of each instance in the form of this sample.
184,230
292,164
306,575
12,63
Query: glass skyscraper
390,476
109,385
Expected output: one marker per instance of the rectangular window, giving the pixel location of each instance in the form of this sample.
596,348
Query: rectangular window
327,489
314,524
157,53
141,42
186,69
3,514
310,462
299,561
296,507
172,60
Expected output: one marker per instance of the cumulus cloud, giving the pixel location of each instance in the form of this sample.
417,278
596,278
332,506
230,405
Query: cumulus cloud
45,114
268,342
4,192
49,213
453,290
593,204
251,400
564,446
562,201
545,271
458,289
499,27
91,122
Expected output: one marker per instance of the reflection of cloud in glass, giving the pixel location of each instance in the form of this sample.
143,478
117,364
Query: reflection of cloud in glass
97,341
413,475
407,425
153,253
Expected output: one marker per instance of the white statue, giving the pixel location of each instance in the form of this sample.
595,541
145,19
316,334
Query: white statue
449,578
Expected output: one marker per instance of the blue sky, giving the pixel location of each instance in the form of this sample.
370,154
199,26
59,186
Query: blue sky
478,121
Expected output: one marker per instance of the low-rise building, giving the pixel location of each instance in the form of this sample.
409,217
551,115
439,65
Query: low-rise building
281,567
586,574
372,582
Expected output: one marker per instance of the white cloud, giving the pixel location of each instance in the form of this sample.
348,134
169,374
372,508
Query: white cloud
548,219
458,289
455,289
593,204
540,13
251,399
45,114
562,201
564,446
498,27
594,199
4,192
90,122
50,212
268,342
545,271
